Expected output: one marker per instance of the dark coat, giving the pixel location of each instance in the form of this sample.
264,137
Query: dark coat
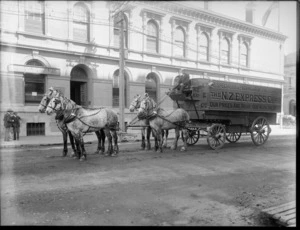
8,120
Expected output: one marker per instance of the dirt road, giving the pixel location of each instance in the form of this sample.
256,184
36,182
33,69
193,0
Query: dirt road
227,187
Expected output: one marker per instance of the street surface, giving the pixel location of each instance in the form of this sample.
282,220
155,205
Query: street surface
226,187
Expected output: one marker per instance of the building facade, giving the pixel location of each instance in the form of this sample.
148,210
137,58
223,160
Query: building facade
74,46
289,90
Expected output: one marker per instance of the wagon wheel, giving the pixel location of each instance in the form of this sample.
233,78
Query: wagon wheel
260,131
193,135
233,137
216,135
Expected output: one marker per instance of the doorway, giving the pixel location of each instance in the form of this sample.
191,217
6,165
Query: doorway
78,91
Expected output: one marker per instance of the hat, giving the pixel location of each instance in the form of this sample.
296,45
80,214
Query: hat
9,110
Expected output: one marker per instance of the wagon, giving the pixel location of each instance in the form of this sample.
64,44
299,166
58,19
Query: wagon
221,111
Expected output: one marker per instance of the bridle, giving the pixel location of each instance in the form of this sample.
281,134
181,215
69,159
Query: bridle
47,101
136,103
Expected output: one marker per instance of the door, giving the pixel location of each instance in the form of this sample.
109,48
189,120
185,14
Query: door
79,92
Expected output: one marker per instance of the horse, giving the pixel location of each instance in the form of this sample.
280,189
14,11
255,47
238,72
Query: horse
135,105
160,119
80,121
63,128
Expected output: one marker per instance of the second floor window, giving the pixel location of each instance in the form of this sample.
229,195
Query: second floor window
203,48
117,26
81,23
152,37
34,17
244,55
179,42
225,51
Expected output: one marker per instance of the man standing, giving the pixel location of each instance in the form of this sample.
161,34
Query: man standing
16,126
8,124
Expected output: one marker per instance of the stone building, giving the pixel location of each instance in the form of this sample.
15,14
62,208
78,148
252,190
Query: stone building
74,46
289,90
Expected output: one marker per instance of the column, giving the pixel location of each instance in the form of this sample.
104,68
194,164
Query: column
220,46
144,31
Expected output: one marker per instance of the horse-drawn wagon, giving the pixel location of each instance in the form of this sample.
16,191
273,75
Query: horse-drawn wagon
223,110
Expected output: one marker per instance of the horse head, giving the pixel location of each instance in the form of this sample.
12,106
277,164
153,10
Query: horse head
147,107
43,104
135,104
54,105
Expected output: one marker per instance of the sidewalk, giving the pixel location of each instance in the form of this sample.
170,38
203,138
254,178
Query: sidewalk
92,138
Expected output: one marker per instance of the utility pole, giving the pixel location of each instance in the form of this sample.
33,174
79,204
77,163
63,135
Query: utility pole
120,19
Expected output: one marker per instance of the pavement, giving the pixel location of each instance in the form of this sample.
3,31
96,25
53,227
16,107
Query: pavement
27,141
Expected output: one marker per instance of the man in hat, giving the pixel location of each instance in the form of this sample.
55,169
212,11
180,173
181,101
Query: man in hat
183,83
16,125
8,123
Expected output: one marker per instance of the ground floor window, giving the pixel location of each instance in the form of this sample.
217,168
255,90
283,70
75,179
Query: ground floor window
35,129
34,88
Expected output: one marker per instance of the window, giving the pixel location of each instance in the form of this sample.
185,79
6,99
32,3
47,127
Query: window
244,55
34,84
152,37
225,51
81,23
203,48
179,49
151,86
35,129
117,26
35,17
116,90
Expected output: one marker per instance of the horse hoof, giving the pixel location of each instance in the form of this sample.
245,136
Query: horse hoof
82,159
183,149
114,155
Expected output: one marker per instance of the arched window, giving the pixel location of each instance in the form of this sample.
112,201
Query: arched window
116,89
117,26
35,17
244,54
225,51
152,37
203,47
81,18
151,86
34,84
179,39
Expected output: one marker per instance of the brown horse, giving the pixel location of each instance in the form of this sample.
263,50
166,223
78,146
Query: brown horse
81,121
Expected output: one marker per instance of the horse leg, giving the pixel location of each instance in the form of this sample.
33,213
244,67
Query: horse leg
78,149
83,152
72,143
184,135
154,133
174,146
65,139
165,134
148,146
159,137
116,147
102,141
99,142
109,138
143,145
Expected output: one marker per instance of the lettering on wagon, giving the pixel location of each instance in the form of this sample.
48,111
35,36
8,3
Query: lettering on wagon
245,97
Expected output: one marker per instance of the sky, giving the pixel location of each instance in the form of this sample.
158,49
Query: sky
286,13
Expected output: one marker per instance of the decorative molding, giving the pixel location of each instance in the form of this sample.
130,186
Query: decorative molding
212,18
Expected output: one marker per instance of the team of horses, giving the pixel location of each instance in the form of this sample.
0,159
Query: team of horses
75,121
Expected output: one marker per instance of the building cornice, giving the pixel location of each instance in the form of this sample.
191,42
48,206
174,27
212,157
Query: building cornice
215,19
